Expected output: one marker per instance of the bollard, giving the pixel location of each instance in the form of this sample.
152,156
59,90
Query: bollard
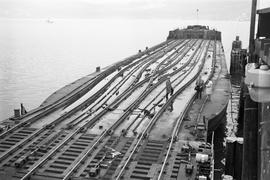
98,69
17,113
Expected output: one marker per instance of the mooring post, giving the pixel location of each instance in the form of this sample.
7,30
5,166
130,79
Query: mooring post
98,69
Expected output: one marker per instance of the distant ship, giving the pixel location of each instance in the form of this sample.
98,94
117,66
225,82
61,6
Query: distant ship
49,21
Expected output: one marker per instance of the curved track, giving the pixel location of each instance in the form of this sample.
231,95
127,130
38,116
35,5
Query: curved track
120,111
33,132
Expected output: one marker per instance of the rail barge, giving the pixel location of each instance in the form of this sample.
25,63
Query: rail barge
117,122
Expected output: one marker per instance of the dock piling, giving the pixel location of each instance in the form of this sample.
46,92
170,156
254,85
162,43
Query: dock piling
250,158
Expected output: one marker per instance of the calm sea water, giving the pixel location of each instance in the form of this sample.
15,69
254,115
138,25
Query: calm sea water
37,58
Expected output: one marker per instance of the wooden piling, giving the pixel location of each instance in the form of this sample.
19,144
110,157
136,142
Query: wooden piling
238,159
265,142
250,160
230,160
234,152
252,27
240,118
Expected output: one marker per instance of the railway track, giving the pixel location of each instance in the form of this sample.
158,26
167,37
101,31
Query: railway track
78,92
60,146
176,129
117,89
28,139
115,125
78,141
145,164
158,101
25,138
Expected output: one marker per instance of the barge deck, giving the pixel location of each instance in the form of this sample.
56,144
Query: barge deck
118,123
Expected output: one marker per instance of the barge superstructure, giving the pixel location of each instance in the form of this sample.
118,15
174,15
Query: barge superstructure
117,122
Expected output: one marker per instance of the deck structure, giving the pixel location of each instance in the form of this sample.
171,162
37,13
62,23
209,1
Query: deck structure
118,124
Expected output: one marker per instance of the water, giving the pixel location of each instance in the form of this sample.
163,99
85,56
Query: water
219,149
37,58
233,106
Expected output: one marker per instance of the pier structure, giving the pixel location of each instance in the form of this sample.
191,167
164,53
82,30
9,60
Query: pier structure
238,58
234,142
257,80
254,109
118,124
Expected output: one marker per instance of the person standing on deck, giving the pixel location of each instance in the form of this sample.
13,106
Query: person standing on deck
208,90
151,81
169,88
199,87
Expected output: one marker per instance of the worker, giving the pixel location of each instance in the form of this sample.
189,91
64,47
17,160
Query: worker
208,90
199,87
151,81
169,88
171,106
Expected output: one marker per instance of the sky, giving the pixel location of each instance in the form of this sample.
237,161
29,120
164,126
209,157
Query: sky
155,9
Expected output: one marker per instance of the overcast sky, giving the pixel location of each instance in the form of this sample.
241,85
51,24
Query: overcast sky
181,9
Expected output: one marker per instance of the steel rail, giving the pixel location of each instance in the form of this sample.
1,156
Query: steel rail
174,132
172,74
49,155
161,55
142,96
171,99
172,57
179,69
114,105
117,87
117,101
113,90
95,95
104,88
85,155
154,48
